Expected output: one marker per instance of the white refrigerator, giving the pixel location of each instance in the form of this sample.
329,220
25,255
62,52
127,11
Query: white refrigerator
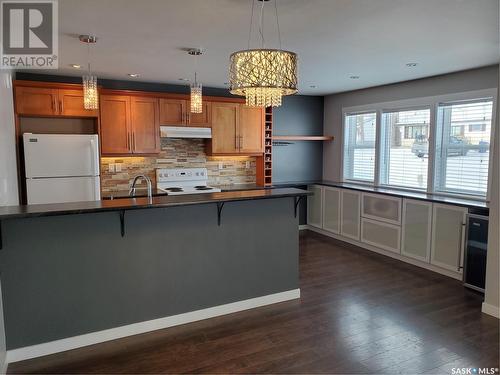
61,168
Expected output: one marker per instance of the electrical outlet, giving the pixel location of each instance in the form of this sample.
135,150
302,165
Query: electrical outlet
111,167
118,167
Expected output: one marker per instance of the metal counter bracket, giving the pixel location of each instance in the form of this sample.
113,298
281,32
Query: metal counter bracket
297,201
220,206
122,223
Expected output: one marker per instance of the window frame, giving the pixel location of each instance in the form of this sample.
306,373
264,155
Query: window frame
431,102
379,151
375,175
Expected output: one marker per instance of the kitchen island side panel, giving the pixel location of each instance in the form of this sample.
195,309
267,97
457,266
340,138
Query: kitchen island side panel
64,276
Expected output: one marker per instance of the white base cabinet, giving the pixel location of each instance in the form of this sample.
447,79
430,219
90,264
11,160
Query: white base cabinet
315,206
331,209
448,231
428,234
417,227
350,214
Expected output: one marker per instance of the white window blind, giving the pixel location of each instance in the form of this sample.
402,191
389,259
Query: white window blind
463,133
405,148
359,146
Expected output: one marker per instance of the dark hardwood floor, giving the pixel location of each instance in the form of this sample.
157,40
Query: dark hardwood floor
359,313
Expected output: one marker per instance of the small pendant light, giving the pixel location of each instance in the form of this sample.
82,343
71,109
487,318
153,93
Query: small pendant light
90,94
196,88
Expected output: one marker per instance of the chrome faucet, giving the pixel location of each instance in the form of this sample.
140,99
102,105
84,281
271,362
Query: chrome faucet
148,182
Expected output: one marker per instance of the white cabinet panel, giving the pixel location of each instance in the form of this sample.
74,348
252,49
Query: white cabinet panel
350,213
315,206
331,209
417,225
382,208
448,230
379,234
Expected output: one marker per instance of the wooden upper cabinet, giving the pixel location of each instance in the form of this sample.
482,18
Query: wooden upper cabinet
203,119
236,129
37,101
225,119
115,128
71,104
51,101
145,125
173,112
251,130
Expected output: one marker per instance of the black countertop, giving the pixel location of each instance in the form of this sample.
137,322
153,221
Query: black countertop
37,210
463,202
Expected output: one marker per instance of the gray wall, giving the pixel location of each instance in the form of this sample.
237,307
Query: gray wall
64,276
301,160
492,295
469,80
475,79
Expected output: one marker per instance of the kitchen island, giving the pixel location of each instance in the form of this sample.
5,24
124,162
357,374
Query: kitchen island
76,274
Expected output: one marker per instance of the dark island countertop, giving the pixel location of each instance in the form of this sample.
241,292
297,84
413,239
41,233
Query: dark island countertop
38,210
143,192
457,201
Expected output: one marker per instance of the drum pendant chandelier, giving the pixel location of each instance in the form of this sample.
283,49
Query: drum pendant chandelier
263,75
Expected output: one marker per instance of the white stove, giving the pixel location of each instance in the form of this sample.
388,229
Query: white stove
184,181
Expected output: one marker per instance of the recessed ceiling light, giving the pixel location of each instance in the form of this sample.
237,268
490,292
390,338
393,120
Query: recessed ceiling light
184,79
76,66
313,86
133,75
411,65
354,77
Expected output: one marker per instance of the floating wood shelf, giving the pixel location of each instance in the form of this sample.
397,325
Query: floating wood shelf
302,138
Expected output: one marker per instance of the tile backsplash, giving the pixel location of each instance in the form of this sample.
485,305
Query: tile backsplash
177,153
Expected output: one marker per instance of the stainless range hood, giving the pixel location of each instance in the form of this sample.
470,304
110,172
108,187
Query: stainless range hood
184,132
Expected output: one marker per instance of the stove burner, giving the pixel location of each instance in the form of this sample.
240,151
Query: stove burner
202,188
174,189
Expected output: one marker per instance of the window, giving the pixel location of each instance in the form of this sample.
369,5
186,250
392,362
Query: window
359,146
405,148
463,147
437,144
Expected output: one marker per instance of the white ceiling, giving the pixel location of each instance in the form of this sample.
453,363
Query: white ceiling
335,39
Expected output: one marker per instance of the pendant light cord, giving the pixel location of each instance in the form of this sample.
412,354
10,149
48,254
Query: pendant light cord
261,24
88,57
251,24
261,27
277,21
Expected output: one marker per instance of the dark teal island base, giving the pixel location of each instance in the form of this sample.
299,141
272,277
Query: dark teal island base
72,275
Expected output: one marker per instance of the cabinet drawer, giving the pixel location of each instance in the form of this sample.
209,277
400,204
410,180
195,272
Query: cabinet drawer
382,235
382,208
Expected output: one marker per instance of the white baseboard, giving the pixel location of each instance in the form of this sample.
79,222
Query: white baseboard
491,310
69,343
303,227
415,262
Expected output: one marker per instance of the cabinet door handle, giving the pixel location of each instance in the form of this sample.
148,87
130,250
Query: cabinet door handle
61,106
54,108
460,250
241,142
128,141
133,140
